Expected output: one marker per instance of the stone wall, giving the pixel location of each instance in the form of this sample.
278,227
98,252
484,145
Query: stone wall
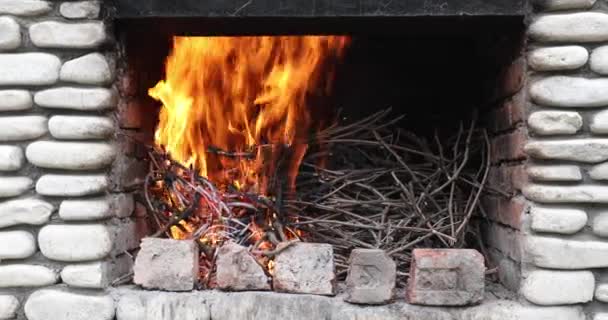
65,172
565,247
63,230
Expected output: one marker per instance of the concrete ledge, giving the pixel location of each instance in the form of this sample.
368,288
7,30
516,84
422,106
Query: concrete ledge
136,304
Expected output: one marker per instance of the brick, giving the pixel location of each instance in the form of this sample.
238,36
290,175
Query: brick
446,277
305,268
371,277
129,115
167,264
544,287
237,269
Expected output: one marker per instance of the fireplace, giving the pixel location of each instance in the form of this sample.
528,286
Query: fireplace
302,160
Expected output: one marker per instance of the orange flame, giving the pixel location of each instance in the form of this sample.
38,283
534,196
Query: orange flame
235,94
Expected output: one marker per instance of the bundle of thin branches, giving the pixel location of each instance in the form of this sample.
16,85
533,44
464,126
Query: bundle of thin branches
383,187
185,205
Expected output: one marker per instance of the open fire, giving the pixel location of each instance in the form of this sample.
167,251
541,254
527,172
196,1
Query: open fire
244,124
238,111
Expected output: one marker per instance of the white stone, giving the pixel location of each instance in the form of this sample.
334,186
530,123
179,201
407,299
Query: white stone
555,122
98,274
24,7
70,155
599,172
11,158
75,242
26,275
546,287
600,224
570,92
121,205
81,127
16,244
558,58
14,186
47,304
15,100
92,68
556,253
29,69
599,122
583,150
566,4
601,292
80,9
76,98
558,220
10,34
71,185
53,34
555,173
8,307
565,194
19,128
600,316
599,60
571,27
25,211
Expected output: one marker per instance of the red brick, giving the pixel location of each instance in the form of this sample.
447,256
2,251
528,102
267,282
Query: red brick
130,114
446,277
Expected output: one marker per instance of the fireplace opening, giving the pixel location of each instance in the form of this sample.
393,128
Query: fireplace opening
397,150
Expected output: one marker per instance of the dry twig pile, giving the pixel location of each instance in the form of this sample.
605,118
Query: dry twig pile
381,187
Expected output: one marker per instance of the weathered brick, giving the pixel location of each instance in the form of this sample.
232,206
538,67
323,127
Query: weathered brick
57,304
546,287
237,269
446,277
167,264
305,268
371,277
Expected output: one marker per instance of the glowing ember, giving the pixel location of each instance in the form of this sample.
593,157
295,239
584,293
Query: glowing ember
237,109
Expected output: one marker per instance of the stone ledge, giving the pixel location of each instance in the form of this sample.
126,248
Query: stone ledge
134,304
